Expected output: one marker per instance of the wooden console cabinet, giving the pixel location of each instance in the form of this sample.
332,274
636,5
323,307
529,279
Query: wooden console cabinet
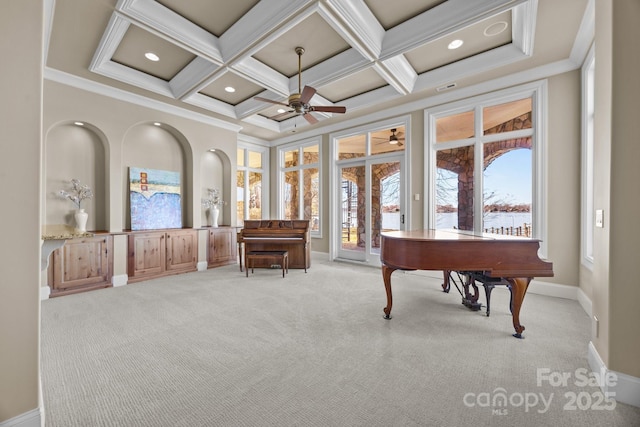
81,265
158,253
221,249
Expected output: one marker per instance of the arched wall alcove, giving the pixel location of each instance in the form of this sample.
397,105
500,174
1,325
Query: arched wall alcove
80,152
215,173
161,147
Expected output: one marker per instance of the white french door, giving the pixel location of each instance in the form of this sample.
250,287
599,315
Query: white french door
370,201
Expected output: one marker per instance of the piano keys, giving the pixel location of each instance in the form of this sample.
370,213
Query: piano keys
514,259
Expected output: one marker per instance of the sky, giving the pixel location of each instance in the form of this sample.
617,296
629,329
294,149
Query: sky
510,177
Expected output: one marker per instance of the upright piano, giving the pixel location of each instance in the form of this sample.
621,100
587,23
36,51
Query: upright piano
277,235
513,259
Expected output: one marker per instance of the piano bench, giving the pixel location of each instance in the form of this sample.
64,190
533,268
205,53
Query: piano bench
281,257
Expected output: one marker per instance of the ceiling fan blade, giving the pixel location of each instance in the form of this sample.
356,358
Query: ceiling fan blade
307,94
312,120
258,98
329,109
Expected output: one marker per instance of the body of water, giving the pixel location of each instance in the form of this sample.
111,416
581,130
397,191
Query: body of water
391,220
496,220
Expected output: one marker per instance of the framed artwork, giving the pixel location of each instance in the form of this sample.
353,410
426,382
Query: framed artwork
155,199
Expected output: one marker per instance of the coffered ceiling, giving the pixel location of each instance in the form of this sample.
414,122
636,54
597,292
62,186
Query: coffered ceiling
365,55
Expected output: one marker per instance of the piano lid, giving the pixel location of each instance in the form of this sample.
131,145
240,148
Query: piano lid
450,234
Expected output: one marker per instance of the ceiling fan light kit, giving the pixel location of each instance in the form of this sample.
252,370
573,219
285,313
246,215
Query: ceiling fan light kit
299,102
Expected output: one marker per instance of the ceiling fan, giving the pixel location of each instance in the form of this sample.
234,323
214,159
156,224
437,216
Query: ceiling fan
299,102
396,138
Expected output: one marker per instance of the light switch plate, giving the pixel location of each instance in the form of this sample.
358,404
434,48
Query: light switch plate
599,218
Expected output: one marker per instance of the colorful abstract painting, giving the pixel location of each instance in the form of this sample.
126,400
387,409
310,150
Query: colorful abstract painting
155,199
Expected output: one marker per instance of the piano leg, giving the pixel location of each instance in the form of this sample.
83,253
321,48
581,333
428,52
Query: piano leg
518,290
446,285
386,276
470,300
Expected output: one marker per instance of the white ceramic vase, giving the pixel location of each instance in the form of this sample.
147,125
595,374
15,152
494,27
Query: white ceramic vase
81,220
215,213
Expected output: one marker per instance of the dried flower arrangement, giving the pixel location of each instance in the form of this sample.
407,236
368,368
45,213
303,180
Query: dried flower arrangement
213,199
78,193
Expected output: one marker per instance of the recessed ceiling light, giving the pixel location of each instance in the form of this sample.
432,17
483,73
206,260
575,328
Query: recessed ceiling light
230,89
152,56
281,110
78,123
213,150
156,123
495,28
455,44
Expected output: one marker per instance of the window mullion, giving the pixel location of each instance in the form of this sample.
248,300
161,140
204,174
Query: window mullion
478,190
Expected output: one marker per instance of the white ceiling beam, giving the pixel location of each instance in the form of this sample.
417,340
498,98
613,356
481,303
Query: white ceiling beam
586,34
497,57
399,73
111,38
269,19
168,24
263,122
210,104
524,26
190,78
435,23
335,68
355,22
264,22
262,75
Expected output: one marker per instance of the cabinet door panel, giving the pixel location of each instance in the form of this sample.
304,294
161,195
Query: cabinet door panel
146,254
181,250
82,262
222,246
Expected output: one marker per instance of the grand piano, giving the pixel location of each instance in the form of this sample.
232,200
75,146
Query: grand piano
513,259
277,235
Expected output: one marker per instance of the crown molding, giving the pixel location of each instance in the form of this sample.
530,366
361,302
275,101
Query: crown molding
123,95
586,35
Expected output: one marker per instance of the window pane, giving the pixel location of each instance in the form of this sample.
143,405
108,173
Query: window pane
291,158
240,197
454,188
255,159
455,127
385,201
353,208
507,187
291,190
507,117
240,154
255,195
388,140
352,146
311,197
310,155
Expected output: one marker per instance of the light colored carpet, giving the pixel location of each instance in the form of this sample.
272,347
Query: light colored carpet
217,349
